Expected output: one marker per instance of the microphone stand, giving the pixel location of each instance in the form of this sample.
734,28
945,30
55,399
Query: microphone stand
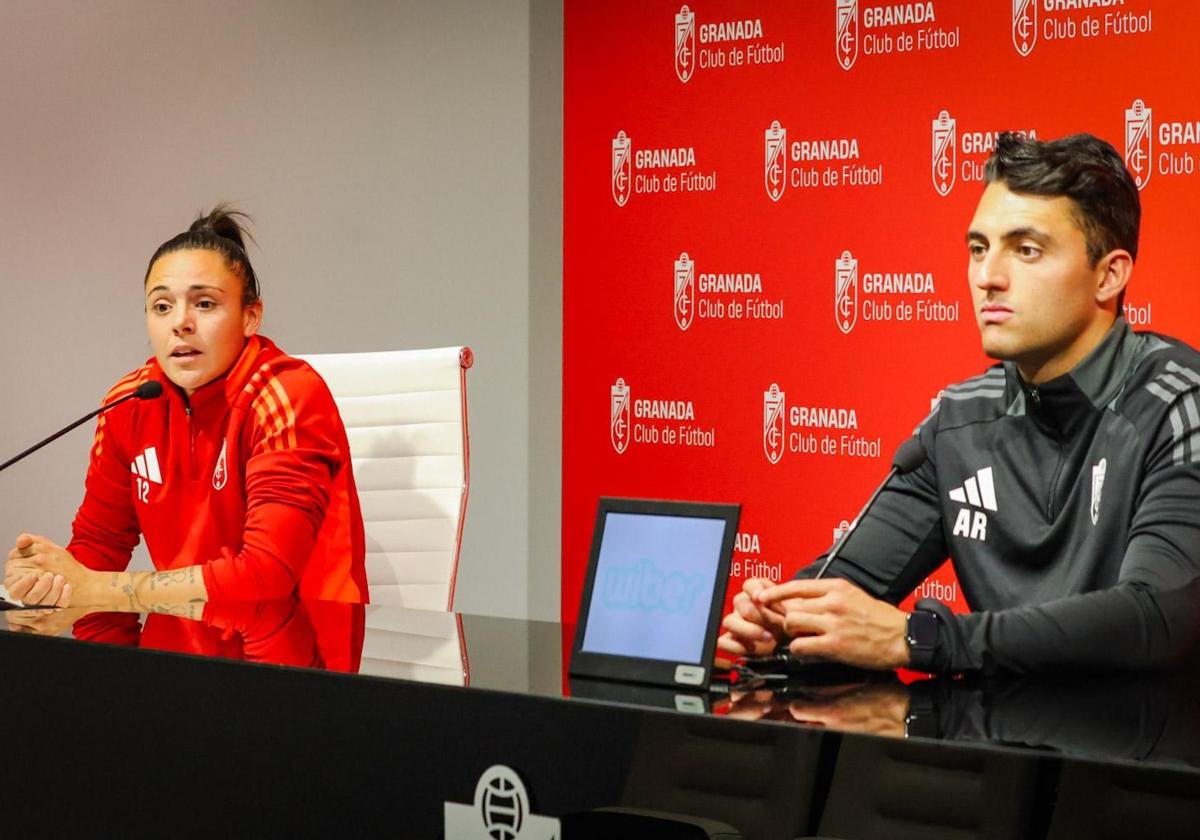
145,391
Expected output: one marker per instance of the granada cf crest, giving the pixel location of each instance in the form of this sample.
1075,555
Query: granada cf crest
622,168
775,173
221,470
847,33
1024,26
685,43
1138,140
773,430
845,297
1098,472
944,156
685,291
619,423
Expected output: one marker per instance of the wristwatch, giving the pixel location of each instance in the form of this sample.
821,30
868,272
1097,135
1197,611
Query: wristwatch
922,638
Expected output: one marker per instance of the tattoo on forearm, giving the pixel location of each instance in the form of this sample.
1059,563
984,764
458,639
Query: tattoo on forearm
187,575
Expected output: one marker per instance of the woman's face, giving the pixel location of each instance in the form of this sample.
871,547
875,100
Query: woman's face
195,317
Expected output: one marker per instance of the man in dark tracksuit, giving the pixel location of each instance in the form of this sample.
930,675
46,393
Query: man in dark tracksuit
1064,483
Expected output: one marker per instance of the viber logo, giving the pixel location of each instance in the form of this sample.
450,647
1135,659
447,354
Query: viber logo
642,586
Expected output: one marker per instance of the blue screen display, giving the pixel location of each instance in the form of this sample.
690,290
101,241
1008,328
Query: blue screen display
654,586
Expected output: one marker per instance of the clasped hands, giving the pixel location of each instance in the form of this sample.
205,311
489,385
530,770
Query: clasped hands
39,572
829,619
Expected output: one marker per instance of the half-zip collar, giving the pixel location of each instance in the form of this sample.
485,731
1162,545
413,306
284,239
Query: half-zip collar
1065,405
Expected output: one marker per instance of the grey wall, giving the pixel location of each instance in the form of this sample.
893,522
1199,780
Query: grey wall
384,149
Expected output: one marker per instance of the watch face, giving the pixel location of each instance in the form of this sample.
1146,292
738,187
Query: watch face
922,630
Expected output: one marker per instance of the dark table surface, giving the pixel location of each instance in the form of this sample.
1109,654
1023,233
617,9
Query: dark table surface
1119,722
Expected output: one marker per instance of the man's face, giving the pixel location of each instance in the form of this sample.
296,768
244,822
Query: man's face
195,317
1033,287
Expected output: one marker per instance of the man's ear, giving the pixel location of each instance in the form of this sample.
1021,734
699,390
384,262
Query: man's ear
1112,274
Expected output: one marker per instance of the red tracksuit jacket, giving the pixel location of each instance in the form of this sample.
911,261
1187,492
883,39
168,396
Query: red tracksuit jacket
249,478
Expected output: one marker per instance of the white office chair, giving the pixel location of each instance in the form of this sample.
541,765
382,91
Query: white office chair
419,645
405,414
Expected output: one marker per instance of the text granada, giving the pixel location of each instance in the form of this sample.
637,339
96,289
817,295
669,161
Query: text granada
907,283
730,283
656,158
733,30
841,149
664,410
898,15
1072,5
823,418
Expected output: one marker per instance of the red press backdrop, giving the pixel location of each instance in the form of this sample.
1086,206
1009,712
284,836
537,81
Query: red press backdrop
765,204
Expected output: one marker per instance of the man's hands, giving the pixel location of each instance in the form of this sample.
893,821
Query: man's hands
753,628
40,572
829,619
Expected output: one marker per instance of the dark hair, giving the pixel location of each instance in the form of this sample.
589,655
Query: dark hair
1083,168
218,230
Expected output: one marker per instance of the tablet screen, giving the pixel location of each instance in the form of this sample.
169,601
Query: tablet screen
653,590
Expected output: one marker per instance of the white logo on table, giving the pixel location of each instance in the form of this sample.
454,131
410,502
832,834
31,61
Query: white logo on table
500,812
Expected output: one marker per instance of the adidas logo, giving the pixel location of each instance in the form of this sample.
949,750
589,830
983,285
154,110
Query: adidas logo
145,467
978,491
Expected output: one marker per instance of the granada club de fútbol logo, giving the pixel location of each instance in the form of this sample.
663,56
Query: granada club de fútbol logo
846,42
738,295
723,44
655,421
905,296
1024,25
774,430
656,170
1157,144
812,429
685,291
622,168
685,43
775,169
944,160
1139,142
845,297
1058,21
619,426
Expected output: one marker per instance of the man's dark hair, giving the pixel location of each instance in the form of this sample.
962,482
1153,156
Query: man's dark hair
222,231
1086,170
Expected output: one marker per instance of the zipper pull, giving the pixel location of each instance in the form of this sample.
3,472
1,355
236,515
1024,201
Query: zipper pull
1035,396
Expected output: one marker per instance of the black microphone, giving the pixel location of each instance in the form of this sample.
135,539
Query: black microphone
148,390
908,457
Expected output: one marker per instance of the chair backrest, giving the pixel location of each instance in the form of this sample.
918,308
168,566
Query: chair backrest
416,645
405,414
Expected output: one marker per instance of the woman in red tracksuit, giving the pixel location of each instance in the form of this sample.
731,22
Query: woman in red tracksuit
238,476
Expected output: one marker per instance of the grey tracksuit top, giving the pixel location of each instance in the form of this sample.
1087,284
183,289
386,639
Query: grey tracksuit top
1071,512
